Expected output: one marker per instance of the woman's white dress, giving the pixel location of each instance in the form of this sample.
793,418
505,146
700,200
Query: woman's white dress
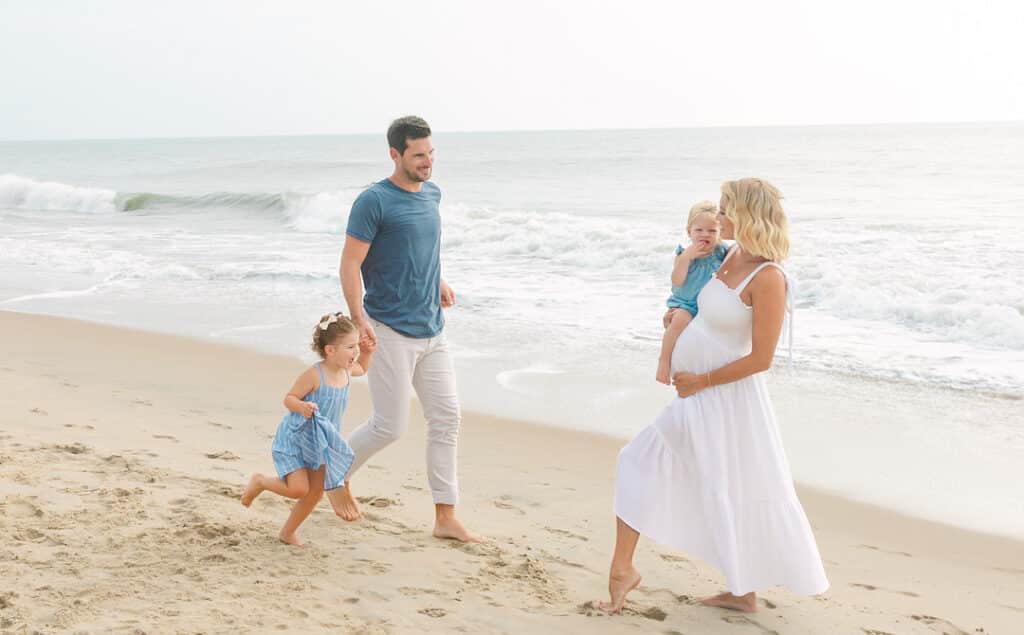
709,476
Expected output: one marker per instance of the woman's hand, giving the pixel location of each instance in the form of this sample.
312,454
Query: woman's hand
688,384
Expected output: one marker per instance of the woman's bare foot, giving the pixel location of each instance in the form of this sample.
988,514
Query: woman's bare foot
620,583
344,504
746,603
252,490
290,539
451,528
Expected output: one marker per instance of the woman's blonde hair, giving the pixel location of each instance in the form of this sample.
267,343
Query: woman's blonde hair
755,208
702,207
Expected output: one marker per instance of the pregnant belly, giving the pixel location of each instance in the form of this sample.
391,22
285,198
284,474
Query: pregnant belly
697,352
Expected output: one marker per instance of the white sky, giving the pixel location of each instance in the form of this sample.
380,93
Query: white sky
147,68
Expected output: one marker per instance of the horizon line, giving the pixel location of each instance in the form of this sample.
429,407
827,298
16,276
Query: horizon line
528,130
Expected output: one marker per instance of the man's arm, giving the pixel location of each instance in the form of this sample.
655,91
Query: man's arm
352,257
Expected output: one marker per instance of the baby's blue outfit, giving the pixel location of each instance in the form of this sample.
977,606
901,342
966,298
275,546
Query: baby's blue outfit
316,441
698,275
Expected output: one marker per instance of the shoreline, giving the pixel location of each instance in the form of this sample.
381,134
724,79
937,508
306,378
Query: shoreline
801,399
122,455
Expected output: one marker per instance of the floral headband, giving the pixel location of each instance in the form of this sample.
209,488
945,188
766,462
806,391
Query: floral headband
331,319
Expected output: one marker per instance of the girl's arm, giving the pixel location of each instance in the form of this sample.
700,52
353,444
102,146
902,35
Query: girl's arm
306,383
681,268
362,364
768,302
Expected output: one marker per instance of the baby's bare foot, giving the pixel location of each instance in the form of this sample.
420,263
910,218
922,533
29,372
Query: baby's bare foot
746,603
619,586
252,490
344,504
451,528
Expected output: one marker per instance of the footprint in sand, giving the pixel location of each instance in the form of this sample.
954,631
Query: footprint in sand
224,455
591,609
871,631
141,402
72,448
20,508
742,619
217,424
569,534
503,505
433,612
411,591
39,411
165,436
898,553
871,587
668,557
940,625
376,501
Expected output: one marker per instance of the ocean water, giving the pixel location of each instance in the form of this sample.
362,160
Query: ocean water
908,249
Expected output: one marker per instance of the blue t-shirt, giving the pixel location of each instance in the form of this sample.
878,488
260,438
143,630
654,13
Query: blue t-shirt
697,275
402,269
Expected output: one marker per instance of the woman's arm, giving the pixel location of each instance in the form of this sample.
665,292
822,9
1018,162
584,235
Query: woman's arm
305,384
768,302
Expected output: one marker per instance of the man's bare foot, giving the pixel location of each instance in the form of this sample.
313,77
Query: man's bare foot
746,603
290,539
451,528
252,490
344,505
619,586
664,370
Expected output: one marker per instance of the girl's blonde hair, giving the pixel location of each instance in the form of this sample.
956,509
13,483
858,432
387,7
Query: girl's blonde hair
327,331
703,207
755,208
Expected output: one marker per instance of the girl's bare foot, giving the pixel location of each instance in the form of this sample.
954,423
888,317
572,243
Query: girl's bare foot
452,528
746,603
620,583
252,490
290,539
344,505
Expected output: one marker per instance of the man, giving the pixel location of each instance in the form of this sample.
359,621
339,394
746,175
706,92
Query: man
393,245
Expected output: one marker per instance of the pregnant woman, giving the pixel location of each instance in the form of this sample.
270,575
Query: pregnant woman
709,476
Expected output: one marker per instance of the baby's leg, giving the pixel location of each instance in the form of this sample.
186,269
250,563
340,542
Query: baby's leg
304,506
679,321
295,485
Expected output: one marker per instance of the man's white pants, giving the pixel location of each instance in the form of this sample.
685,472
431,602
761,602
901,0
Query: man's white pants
400,364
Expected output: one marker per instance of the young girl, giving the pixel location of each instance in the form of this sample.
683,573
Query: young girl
309,453
693,267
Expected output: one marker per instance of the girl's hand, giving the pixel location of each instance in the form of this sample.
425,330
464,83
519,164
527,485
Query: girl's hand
307,408
688,384
697,249
367,346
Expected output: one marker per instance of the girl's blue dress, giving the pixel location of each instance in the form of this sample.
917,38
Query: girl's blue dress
316,441
698,275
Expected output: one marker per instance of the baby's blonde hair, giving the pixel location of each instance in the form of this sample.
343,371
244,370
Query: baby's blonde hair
702,207
759,223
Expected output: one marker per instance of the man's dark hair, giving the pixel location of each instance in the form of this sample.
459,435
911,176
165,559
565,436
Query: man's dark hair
405,129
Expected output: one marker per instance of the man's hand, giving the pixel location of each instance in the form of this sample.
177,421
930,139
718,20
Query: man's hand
447,296
367,337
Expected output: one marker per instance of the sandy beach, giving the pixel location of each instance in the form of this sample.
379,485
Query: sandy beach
123,453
